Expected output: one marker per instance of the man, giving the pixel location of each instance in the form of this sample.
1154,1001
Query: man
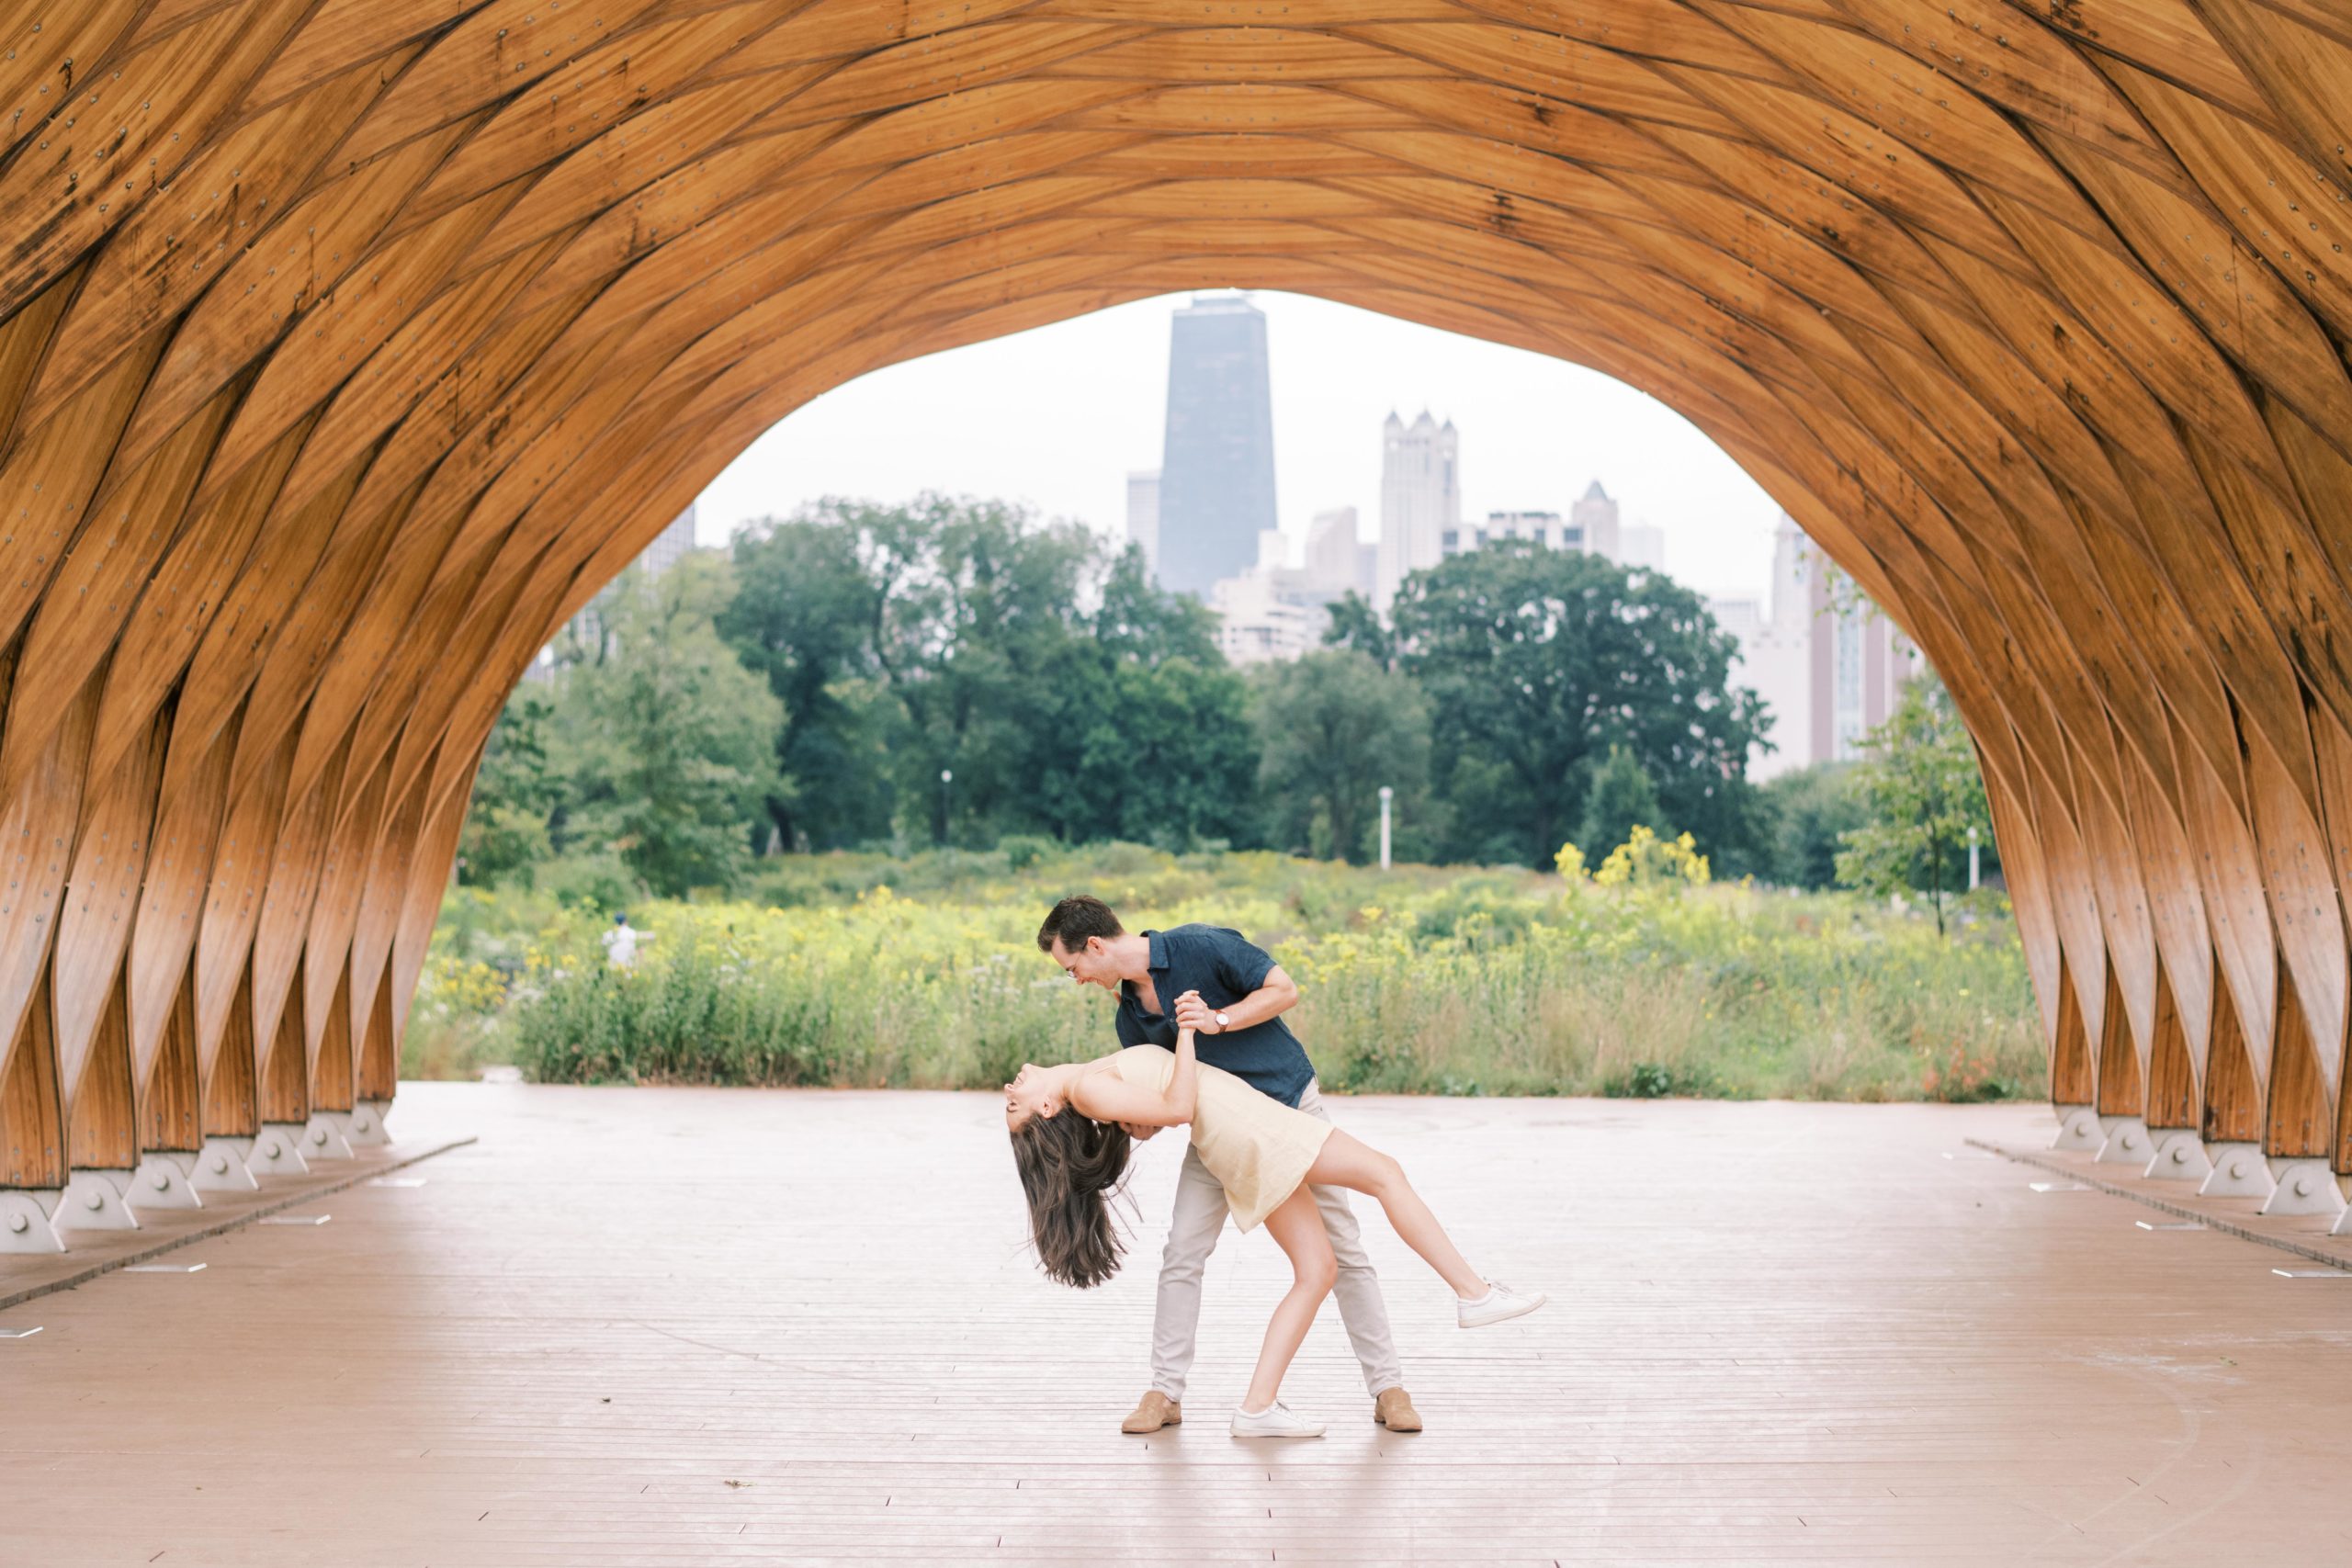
1232,994
620,943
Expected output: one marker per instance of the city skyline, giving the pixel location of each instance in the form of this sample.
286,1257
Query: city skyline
1059,417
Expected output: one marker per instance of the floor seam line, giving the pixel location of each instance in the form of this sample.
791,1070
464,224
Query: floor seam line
206,1232
2209,1220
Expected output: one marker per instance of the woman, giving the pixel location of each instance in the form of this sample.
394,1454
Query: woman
1073,1127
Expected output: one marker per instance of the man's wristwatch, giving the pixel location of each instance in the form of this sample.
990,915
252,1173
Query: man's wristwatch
1222,1023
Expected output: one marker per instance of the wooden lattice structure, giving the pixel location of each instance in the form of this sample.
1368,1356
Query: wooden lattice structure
347,346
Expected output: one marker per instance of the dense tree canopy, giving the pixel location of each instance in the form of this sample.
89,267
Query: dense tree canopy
1333,728
803,619
1065,694
667,741
1536,661
1621,799
807,689
516,794
1355,623
1806,815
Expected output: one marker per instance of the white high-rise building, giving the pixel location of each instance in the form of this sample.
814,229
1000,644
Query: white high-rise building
1143,515
1640,545
1272,611
1544,528
1336,561
1594,520
1741,614
1826,661
1420,498
1591,526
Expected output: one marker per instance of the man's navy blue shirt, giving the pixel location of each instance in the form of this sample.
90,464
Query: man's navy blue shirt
1224,966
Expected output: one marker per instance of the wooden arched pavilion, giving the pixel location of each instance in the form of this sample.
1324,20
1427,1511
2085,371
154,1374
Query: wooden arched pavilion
347,346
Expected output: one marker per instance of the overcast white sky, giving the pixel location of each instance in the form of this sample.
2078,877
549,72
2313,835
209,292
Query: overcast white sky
1057,416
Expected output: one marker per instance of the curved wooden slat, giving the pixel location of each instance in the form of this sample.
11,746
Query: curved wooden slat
345,347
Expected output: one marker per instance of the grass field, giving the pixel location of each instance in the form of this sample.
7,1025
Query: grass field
865,971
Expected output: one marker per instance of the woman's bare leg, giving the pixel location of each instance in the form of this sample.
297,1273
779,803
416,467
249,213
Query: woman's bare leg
1297,1226
1351,1163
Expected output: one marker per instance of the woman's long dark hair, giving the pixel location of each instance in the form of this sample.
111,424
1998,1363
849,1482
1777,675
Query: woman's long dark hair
1069,1165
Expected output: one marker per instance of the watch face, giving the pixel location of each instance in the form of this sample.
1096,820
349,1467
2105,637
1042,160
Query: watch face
1222,1020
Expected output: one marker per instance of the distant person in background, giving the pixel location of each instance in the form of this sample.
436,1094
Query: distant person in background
620,943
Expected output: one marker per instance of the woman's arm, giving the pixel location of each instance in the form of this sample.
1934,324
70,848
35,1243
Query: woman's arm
1184,1090
1107,1096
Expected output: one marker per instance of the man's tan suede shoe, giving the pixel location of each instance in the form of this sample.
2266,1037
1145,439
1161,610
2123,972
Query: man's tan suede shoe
1154,1411
1394,1409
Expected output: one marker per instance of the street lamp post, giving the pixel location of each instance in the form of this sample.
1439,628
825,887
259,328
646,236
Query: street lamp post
1972,857
1388,794
946,777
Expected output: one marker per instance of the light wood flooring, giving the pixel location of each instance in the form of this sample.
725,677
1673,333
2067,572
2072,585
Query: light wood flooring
685,1326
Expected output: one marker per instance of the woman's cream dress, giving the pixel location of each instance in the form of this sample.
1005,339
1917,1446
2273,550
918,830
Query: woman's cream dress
1257,1147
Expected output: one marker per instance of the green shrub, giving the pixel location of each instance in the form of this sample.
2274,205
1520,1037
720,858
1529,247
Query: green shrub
1021,850
1649,1081
1421,981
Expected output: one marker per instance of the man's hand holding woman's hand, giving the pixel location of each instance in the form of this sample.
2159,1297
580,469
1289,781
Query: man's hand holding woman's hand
1196,1014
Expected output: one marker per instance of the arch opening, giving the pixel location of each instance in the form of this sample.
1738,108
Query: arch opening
346,349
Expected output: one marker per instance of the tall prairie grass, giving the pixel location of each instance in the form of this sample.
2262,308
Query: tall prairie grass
858,971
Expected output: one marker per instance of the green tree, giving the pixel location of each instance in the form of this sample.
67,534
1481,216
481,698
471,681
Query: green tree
1121,720
1921,791
803,618
1535,662
1170,760
1620,798
669,741
1354,623
1140,730
1807,814
1332,729
1140,621
516,794
979,609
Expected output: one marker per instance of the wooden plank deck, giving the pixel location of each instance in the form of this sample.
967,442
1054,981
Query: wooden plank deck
680,1327
163,1231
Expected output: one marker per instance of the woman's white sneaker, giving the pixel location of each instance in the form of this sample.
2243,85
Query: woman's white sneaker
1499,1302
1277,1420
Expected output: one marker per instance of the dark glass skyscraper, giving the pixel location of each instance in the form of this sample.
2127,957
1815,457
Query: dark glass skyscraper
1216,474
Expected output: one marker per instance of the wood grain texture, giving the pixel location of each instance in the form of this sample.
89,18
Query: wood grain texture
347,347
1860,1352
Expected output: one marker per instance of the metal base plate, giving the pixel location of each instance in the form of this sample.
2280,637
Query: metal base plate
278,1151
2180,1156
2239,1171
94,1201
363,1127
220,1167
2078,1128
322,1136
2305,1187
161,1183
25,1226
2128,1143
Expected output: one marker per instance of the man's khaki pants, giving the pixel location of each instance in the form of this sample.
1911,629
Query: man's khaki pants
1193,1231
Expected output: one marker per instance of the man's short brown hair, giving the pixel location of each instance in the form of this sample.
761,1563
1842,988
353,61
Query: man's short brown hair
1074,919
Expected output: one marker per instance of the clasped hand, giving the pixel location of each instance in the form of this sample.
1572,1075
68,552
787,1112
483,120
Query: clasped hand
1196,1014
